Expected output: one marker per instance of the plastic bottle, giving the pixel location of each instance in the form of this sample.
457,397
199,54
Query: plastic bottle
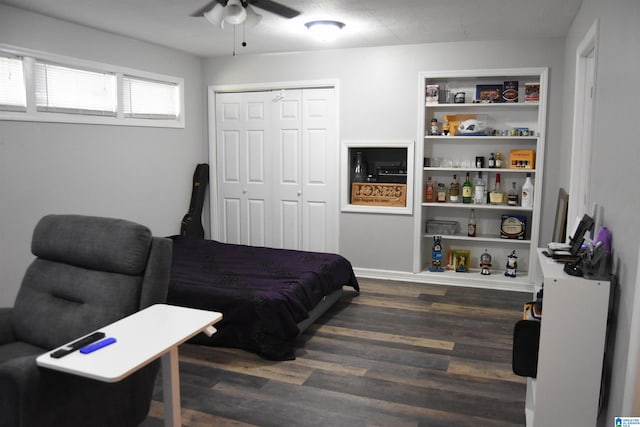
527,193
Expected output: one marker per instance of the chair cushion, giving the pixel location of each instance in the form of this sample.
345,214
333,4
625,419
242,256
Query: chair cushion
96,243
58,303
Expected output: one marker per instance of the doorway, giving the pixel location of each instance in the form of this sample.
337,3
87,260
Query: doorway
584,108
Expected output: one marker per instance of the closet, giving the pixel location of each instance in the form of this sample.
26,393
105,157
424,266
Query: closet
276,177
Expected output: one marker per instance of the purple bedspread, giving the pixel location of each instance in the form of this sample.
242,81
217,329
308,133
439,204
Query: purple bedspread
262,292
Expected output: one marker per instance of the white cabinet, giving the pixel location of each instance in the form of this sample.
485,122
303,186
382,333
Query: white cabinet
442,156
572,342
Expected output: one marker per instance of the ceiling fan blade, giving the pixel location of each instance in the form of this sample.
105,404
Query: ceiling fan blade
204,9
277,8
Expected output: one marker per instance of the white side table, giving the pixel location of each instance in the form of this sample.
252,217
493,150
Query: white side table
142,337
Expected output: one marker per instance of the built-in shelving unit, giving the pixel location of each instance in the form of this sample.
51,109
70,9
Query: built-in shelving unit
389,163
441,156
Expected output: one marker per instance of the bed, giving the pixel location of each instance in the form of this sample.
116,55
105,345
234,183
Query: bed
267,296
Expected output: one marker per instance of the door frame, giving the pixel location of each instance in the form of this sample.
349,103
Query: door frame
212,90
583,113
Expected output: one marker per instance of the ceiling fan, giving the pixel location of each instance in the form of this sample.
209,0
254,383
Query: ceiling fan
240,11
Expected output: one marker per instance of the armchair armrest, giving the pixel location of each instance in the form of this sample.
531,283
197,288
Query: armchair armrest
6,331
35,396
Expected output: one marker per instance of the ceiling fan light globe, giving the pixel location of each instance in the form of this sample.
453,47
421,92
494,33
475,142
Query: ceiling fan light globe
235,14
215,15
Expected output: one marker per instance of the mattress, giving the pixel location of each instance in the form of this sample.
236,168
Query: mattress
262,293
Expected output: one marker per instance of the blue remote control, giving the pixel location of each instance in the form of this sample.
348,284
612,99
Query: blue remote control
97,346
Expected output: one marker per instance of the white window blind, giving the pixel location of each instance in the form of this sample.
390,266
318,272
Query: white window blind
13,95
63,89
150,99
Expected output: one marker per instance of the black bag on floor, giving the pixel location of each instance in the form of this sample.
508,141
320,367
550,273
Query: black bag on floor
526,340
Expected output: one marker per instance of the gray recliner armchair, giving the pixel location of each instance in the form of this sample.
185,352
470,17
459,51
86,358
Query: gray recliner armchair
88,272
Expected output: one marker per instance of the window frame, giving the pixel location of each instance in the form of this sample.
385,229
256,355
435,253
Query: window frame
30,57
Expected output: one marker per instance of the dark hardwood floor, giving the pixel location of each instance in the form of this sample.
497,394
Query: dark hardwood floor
399,354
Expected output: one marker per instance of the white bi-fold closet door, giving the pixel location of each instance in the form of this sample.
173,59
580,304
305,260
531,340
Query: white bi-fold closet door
276,169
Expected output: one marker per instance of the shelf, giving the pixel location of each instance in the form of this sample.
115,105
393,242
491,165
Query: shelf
495,170
474,206
479,238
496,279
482,138
514,105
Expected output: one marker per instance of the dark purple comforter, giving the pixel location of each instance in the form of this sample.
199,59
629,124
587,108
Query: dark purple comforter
262,292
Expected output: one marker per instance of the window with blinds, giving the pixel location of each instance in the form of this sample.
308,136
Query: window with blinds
150,99
63,89
13,93
45,87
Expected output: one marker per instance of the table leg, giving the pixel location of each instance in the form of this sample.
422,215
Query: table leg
171,388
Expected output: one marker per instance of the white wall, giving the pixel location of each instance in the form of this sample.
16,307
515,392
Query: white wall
379,101
136,173
616,153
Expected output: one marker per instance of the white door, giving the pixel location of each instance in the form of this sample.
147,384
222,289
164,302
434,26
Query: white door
277,156
287,169
243,168
320,170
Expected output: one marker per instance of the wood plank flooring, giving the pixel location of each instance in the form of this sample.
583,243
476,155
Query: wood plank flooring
399,354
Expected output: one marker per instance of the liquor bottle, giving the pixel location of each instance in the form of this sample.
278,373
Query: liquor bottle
441,193
492,161
480,198
499,161
471,227
527,193
429,193
454,190
496,197
512,197
467,191
359,171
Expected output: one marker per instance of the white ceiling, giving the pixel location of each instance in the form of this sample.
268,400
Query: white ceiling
368,22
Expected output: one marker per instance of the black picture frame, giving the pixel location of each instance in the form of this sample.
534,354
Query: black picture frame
560,225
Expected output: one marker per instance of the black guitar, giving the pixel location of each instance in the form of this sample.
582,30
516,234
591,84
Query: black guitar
192,221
